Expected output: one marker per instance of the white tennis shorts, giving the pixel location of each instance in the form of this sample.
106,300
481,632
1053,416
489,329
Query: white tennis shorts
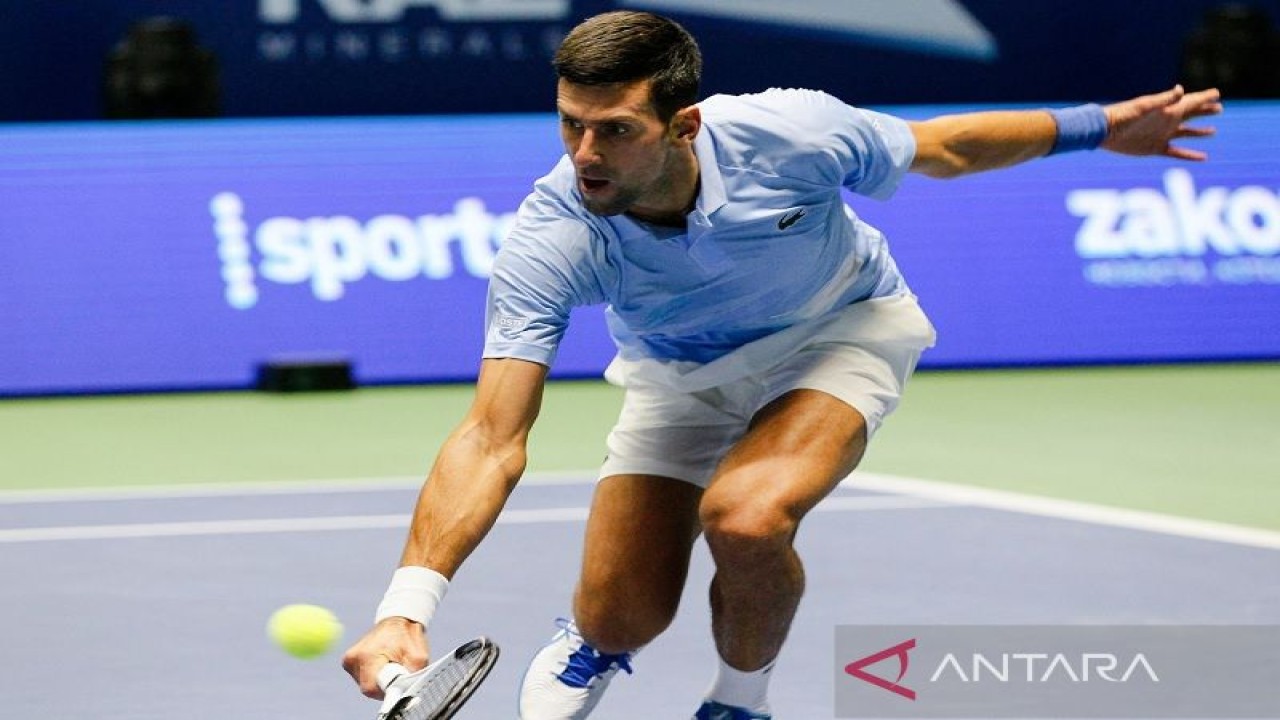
678,419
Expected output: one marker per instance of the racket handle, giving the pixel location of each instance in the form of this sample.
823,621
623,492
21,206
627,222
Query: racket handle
389,674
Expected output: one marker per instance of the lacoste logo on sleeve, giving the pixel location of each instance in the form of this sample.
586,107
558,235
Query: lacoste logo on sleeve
505,326
789,220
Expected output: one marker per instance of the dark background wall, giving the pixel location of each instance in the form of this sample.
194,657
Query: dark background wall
361,57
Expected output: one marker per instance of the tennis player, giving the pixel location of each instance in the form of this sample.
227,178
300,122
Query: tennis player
763,331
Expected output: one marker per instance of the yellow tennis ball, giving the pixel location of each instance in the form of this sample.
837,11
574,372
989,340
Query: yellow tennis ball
304,631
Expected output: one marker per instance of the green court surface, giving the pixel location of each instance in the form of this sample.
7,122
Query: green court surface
1199,441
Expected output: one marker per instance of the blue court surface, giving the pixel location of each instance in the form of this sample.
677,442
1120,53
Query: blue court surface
125,604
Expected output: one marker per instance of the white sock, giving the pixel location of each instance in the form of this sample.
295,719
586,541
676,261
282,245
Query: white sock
748,690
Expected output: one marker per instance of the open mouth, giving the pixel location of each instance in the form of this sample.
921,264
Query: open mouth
593,184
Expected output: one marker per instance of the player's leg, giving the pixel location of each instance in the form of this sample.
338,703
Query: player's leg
636,557
796,451
827,401
639,535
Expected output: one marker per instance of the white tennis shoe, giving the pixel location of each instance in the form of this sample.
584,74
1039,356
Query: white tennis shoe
567,678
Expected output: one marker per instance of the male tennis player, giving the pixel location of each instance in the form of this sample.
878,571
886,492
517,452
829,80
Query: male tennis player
763,332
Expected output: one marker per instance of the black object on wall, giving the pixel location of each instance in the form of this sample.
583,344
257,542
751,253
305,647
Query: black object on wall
301,374
160,71
1237,50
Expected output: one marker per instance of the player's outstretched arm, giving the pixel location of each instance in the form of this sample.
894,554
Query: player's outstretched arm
474,473
953,145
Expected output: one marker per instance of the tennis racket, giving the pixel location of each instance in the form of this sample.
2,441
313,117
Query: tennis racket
437,691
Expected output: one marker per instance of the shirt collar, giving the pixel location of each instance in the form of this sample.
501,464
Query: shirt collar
712,196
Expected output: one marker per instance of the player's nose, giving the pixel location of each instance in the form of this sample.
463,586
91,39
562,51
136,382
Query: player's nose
587,153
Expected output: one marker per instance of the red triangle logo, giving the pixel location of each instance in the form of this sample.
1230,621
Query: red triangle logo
857,668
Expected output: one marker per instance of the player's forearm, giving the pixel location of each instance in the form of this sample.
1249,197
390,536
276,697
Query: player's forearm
472,478
954,145
473,475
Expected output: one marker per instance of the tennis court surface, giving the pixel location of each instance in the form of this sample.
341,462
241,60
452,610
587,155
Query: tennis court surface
128,604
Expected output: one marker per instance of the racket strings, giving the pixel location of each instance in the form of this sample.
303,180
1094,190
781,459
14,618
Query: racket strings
445,686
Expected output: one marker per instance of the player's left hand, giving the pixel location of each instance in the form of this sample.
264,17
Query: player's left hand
1148,125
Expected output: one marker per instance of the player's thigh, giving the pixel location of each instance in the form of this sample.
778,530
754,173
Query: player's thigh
639,536
818,412
798,448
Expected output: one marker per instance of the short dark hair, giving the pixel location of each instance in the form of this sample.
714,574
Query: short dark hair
626,46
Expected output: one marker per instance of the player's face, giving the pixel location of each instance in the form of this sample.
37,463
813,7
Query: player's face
623,154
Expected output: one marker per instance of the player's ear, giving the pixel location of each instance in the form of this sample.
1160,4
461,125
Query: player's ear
686,123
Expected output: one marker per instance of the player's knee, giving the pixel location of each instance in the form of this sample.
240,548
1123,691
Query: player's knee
617,611
621,627
745,528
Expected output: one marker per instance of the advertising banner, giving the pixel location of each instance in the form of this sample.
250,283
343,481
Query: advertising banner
151,256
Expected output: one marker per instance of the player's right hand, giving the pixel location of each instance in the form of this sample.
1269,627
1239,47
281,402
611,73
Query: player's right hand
395,639
1148,125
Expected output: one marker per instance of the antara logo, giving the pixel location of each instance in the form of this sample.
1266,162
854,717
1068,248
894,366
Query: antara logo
1005,668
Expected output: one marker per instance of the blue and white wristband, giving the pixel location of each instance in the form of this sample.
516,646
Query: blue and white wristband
1083,127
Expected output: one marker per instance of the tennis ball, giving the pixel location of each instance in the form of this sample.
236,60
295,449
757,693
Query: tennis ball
304,631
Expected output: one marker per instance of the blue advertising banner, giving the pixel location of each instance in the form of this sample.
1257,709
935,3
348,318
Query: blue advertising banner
151,256
174,255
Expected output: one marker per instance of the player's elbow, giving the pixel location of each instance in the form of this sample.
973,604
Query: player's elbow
492,445
939,154
941,168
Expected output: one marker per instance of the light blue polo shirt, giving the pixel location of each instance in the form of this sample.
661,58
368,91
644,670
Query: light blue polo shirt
770,243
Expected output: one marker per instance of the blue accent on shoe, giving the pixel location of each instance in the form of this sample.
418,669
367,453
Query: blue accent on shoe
712,710
587,664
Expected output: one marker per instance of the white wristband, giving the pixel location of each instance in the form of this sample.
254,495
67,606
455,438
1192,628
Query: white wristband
414,593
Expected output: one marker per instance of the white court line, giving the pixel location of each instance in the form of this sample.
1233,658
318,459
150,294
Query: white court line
1066,510
927,489
368,522
253,489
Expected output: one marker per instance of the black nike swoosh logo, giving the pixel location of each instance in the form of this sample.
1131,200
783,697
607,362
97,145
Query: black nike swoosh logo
789,220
